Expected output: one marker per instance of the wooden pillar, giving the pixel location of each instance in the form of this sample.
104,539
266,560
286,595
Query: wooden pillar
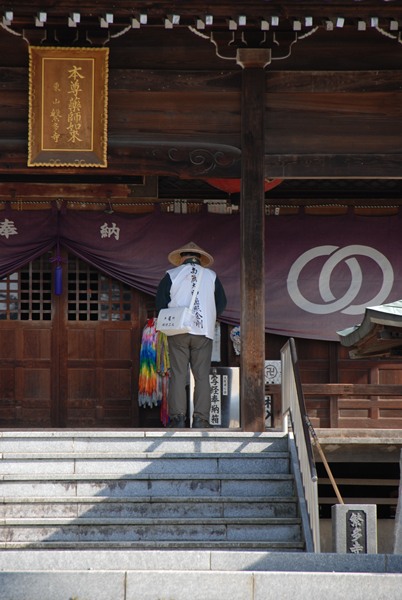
252,218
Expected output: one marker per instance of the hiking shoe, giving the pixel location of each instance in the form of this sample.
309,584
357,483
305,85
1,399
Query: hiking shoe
178,422
201,423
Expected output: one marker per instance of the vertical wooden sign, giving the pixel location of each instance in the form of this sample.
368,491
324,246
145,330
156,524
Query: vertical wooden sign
68,97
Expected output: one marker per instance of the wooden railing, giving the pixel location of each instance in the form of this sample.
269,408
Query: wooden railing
367,406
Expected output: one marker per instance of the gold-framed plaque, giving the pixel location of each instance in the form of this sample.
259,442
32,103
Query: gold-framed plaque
68,101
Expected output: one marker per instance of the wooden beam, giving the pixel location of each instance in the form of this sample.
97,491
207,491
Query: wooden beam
252,271
343,389
178,157
341,166
351,389
356,481
224,9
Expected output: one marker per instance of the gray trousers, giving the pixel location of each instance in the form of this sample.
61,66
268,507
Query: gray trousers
196,350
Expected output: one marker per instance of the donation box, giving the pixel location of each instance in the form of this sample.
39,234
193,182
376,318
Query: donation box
225,397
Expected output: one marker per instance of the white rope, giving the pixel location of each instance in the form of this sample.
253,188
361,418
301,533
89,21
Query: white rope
308,33
7,28
290,49
211,39
122,32
197,32
390,35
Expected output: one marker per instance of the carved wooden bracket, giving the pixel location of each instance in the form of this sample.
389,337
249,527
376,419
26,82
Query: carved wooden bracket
253,57
187,159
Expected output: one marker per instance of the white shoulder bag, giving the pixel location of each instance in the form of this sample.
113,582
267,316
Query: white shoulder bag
177,319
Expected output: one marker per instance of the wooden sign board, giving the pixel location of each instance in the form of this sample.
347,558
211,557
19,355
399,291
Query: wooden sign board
68,107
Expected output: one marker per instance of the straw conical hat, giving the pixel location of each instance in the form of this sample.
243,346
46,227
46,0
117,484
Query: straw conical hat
176,257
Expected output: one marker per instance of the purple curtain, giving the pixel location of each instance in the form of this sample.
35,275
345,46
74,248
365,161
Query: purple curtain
25,235
134,248
321,272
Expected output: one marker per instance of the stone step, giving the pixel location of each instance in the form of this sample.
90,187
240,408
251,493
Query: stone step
148,507
157,585
153,545
126,559
97,530
155,440
149,463
129,574
143,484
140,521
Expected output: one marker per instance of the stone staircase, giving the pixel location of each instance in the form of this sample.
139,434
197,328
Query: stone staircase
163,515
152,490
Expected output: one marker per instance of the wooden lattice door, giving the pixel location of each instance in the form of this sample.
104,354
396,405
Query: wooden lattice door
68,360
26,347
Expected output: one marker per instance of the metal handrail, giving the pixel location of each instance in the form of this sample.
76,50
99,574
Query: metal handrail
293,404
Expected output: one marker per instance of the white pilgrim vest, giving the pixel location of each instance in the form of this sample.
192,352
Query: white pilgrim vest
184,279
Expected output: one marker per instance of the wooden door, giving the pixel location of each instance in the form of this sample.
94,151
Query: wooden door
68,360
26,347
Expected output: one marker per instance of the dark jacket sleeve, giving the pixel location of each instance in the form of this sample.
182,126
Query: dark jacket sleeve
220,297
163,293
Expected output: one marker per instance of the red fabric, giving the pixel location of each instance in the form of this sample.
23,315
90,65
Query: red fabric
232,186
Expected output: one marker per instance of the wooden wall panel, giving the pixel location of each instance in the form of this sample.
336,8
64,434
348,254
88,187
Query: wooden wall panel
25,374
390,372
341,392
82,343
327,112
210,116
8,343
37,344
333,123
116,344
82,387
36,386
